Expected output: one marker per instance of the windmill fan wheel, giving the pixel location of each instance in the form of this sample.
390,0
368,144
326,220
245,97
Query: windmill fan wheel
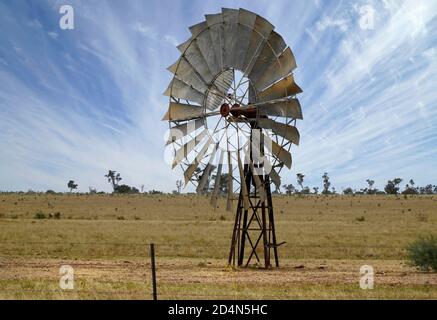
232,85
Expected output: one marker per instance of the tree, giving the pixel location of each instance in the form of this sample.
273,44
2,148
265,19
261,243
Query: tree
392,186
348,191
179,185
289,189
369,189
397,181
326,183
135,190
306,190
316,190
205,188
277,190
223,186
428,189
71,185
114,178
300,177
153,191
410,189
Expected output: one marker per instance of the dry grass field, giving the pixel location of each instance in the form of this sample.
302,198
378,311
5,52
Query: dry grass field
105,239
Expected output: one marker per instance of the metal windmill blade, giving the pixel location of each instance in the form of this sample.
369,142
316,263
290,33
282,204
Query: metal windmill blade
234,78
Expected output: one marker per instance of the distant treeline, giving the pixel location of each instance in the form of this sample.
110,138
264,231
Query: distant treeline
391,187
33,192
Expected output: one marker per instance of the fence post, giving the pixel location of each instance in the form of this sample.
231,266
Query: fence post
152,261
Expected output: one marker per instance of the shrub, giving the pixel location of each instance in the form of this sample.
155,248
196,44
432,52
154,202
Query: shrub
423,253
126,189
123,189
409,190
422,217
39,215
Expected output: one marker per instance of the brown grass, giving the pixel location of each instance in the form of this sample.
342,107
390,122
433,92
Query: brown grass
105,239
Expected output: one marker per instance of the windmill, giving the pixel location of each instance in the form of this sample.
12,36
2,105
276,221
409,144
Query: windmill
232,116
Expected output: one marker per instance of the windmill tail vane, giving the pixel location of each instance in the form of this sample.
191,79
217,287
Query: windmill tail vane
232,117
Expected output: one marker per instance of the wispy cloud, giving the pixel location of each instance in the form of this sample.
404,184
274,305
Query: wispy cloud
53,35
327,22
376,116
91,100
171,40
145,30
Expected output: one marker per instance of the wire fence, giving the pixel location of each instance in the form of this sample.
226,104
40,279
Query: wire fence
36,274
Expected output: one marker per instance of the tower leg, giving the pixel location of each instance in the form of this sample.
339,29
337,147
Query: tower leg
272,223
253,225
248,182
235,233
264,235
243,238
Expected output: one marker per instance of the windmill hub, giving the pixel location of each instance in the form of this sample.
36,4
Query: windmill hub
236,111
224,110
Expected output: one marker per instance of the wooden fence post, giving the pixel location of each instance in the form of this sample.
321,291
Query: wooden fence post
152,260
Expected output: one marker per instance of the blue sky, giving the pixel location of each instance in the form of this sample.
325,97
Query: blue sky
75,103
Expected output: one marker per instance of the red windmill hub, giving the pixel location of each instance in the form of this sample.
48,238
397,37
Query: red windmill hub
224,110
235,111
